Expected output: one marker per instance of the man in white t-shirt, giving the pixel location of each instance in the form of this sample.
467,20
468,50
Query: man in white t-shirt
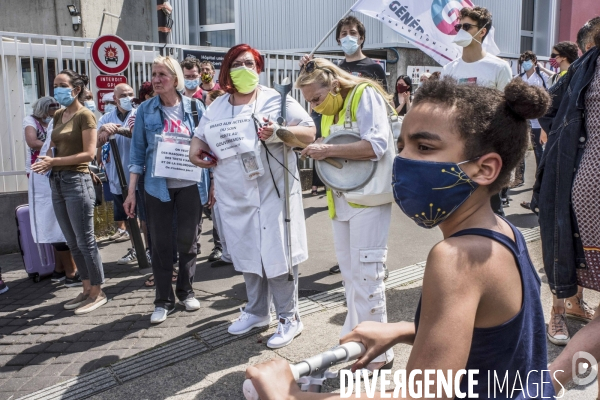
476,66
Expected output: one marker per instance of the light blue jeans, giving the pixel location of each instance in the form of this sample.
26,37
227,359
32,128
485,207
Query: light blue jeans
73,197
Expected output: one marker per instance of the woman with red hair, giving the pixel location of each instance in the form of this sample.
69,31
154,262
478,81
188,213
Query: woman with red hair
236,137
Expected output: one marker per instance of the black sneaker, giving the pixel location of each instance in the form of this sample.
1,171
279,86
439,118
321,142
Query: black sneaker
74,281
58,276
215,255
334,270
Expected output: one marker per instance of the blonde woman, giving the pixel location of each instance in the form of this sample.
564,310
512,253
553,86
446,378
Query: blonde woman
167,115
360,232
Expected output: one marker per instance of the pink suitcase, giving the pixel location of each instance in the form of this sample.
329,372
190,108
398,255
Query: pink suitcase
38,258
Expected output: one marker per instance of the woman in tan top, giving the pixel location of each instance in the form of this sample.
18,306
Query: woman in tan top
73,196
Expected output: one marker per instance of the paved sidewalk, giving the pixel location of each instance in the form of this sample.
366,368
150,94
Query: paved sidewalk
219,374
41,344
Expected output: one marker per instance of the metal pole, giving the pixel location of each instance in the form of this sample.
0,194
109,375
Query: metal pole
284,88
138,243
102,20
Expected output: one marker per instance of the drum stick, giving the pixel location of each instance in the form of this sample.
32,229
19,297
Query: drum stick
291,140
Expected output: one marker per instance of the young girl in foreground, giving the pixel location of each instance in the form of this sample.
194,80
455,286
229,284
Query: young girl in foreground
480,305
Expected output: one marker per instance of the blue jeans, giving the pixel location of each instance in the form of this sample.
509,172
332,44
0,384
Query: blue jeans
73,197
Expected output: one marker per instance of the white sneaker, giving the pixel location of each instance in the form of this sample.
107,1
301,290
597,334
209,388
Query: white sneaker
191,304
160,314
287,330
246,322
128,258
120,235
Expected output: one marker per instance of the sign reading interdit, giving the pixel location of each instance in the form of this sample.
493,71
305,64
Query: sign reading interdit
109,81
110,54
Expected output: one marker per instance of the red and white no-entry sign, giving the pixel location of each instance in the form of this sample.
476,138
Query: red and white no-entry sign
110,54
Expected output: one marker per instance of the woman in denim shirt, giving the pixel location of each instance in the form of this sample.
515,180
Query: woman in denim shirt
168,114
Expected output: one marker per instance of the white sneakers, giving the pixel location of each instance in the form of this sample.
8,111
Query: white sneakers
191,304
120,236
246,321
160,315
287,330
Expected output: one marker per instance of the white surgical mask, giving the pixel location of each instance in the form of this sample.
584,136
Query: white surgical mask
126,103
464,38
349,44
90,105
109,108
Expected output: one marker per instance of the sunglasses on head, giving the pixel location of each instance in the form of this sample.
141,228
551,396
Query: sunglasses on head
466,26
554,55
310,66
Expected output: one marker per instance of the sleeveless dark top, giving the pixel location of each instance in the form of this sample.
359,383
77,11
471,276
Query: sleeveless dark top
515,347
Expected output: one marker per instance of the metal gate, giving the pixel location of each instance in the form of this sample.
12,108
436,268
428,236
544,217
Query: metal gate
29,63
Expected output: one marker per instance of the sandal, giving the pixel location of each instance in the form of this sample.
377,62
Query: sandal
150,281
526,204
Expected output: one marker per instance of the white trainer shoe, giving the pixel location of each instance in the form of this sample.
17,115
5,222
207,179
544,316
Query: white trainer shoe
287,330
191,304
160,315
246,321
128,258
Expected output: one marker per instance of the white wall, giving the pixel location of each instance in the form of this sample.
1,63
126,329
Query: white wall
298,25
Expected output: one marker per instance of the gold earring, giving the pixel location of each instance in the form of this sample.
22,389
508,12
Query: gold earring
337,89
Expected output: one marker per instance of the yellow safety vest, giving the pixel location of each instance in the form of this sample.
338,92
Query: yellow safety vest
327,122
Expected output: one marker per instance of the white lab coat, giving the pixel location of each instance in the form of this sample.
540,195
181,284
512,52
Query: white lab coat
44,226
252,214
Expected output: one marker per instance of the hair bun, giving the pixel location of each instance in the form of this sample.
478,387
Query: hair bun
528,102
85,79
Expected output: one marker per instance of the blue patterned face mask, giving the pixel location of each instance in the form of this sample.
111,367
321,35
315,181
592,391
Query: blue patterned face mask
428,192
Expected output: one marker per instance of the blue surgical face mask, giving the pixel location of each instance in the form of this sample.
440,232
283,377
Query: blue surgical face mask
64,96
109,108
527,65
191,84
126,103
349,44
429,192
90,105
47,119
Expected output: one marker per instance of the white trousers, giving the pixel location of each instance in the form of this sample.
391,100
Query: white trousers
216,216
361,249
